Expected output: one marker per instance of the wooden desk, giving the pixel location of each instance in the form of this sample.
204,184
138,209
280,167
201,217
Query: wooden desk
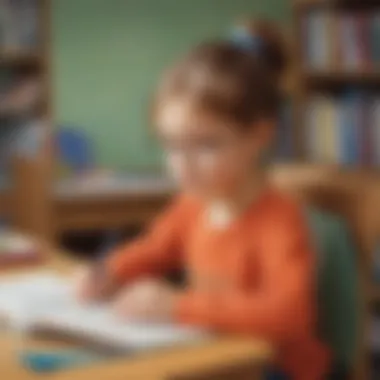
106,212
126,201
222,359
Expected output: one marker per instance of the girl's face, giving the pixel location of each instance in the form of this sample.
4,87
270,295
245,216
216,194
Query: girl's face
205,155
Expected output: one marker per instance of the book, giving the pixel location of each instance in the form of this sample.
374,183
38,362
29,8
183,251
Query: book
350,42
344,129
310,124
375,130
329,125
43,303
317,45
364,47
322,125
351,130
341,40
16,248
366,150
375,39
8,31
18,24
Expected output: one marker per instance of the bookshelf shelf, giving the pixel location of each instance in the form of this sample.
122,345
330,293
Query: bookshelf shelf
21,58
337,100
342,77
26,89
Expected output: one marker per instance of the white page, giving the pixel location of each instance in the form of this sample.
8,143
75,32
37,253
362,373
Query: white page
99,324
46,301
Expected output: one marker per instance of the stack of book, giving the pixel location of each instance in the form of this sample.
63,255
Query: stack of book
341,40
16,248
18,24
344,129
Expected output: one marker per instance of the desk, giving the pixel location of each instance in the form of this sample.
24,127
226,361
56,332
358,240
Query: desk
106,212
122,202
222,359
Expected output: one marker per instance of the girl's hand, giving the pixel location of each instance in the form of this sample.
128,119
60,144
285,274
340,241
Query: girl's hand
89,287
148,300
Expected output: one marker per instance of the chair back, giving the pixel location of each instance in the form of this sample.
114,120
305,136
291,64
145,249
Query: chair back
354,196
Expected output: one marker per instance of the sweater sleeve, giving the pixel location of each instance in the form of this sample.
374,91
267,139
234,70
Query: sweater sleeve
157,251
280,309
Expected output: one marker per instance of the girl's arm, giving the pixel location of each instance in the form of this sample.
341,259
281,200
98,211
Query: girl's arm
281,308
159,250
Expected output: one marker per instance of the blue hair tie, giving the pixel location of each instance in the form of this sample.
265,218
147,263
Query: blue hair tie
242,39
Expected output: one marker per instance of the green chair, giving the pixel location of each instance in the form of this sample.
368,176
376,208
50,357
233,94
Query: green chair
338,289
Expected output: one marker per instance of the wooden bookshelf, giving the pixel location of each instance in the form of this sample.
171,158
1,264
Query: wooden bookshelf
309,80
361,77
333,80
21,58
27,204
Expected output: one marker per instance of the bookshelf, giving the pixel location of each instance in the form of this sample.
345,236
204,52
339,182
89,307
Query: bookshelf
338,78
337,97
25,115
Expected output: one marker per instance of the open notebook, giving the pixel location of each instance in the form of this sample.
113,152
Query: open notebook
43,303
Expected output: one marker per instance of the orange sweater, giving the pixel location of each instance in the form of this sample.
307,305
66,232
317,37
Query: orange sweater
255,277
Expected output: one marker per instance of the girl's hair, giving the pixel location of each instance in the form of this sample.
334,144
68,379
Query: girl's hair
237,79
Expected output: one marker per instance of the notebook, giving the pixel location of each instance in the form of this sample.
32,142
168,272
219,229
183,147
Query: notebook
43,303
16,248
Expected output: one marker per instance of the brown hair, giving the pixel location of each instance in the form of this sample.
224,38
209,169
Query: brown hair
233,82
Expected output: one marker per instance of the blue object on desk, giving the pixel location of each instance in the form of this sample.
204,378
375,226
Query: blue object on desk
43,362
74,148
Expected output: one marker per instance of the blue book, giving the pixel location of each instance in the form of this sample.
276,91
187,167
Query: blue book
311,130
340,131
351,135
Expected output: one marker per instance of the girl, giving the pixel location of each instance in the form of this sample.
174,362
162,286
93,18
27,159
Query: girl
244,245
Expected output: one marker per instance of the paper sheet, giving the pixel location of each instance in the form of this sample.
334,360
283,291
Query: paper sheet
45,300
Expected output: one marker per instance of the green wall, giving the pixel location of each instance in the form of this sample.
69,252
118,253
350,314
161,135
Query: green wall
108,54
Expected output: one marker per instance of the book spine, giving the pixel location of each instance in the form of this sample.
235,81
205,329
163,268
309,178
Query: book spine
344,128
375,40
320,129
350,49
364,41
311,129
369,111
329,130
376,131
333,41
306,41
339,130
317,27
351,132
365,145
8,28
